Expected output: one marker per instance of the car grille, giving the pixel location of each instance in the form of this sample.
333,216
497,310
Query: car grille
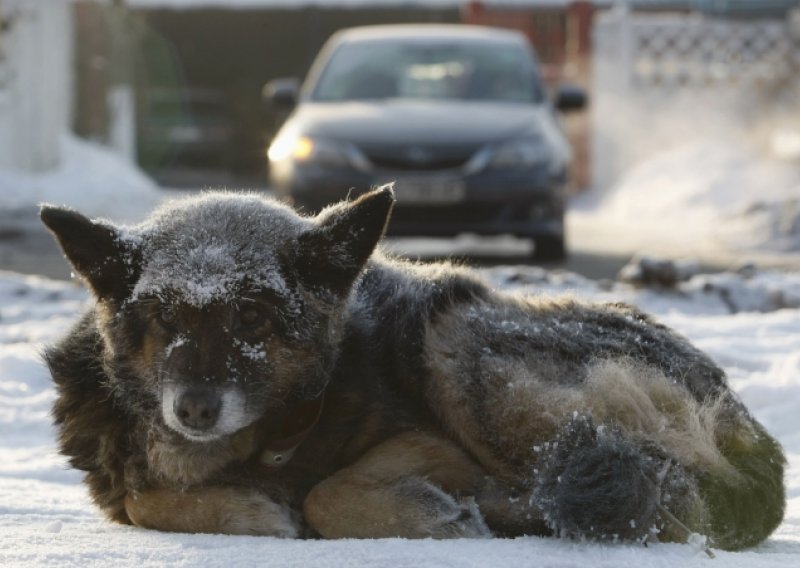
418,158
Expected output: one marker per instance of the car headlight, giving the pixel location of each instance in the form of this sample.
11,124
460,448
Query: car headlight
305,149
523,153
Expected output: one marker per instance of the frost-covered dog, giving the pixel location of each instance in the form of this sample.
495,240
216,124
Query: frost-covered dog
247,370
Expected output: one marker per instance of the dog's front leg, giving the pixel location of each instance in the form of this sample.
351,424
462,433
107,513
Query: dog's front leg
403,487
227,510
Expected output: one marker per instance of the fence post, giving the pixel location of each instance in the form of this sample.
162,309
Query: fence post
611,61
36,87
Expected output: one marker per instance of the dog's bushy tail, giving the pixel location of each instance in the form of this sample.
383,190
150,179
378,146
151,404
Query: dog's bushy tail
744,509
597,483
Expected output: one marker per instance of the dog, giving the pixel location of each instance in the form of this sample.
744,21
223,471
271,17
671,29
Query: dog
248,370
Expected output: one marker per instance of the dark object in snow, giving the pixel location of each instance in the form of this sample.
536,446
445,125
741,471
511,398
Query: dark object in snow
247,370
747,270
648,271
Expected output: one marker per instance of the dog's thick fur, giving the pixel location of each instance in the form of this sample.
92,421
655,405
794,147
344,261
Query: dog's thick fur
428,404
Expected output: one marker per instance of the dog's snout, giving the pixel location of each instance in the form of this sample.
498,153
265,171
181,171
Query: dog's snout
197,408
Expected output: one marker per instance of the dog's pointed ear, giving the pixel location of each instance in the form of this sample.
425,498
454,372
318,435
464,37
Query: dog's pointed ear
95,250
333,253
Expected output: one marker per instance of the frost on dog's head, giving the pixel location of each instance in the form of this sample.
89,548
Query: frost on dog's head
212,248
206,250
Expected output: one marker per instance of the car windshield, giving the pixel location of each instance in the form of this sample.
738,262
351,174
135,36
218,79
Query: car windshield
413,69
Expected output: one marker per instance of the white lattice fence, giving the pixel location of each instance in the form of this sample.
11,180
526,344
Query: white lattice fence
657,77
670,52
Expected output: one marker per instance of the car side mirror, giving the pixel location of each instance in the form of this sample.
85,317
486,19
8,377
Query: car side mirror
570,98
281,92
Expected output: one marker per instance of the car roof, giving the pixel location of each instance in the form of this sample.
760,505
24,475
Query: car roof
390,32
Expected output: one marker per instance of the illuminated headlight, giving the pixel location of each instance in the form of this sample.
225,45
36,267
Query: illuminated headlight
523,153
305,149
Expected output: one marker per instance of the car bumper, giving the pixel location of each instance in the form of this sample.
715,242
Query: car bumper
526,203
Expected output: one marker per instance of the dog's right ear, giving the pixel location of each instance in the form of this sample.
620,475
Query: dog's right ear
335,251
95,250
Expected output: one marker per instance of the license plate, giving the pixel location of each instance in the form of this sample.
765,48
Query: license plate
429,190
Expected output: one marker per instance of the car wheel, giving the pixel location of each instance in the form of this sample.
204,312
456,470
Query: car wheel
549,248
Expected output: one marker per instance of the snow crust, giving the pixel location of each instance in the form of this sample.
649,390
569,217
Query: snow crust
46,518
713,190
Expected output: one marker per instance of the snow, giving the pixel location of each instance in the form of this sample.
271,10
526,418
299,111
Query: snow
717,192
91,179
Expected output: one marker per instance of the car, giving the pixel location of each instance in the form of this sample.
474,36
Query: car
456,116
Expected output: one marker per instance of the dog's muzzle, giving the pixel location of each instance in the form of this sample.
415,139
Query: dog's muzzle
203,413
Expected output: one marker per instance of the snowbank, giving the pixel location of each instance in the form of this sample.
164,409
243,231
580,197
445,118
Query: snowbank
720,192
91,179
46,518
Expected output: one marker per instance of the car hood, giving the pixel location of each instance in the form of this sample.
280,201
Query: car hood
430,122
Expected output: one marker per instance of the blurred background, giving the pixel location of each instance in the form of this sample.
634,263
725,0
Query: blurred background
689,146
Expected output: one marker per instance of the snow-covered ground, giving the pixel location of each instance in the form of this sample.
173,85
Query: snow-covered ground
91,179
46,518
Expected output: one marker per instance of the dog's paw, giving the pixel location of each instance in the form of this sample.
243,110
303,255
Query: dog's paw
465,522
431,512
409,507
595,483
226,510
251,513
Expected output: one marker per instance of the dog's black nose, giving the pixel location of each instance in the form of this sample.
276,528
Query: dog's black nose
197,408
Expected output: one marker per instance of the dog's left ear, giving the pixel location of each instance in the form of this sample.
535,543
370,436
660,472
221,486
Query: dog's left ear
95,250
333,253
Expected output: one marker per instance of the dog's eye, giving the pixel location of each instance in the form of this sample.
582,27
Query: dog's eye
251,317
166,317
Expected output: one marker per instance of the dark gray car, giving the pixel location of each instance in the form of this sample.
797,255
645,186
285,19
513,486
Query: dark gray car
456,116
